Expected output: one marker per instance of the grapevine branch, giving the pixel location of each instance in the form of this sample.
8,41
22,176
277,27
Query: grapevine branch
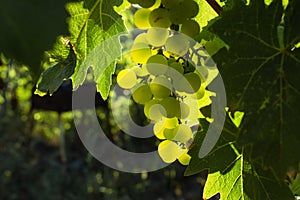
217,8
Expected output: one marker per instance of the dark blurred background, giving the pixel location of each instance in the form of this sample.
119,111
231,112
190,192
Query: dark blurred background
42,157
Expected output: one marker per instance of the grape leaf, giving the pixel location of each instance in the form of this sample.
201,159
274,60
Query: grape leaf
91,23
229,185
30,27
243,181
295,185
53,77
260,71
221,155
206,13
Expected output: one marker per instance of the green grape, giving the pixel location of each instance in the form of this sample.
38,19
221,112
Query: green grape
177,44
160,87
141,38
182,133
153,109
169,151
158,130
189,83
146,3
191,6
141,18
126,79
142,94
133,1
175,71
185,158
169,3
157,36
140,52
177,14
184,110
170,122
169,133
157,65
160,17
171,107
190,27
194,80
183,10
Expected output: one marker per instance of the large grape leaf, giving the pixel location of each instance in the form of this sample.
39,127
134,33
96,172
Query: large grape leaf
261,75
30,27
91,23
221,156
245,181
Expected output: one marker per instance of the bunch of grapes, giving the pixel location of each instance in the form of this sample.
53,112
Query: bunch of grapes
175,14
164,80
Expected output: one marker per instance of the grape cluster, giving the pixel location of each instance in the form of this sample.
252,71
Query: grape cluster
164,81
175,14
168,87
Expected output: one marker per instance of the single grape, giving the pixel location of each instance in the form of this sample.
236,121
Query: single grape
153,109
140,52
177,44
157,65
170,122
146,3
158,130
160,87
169,3
141,18
169,133
171,107
141,38
160,17
185,158
177,14
175,71
133,1
169,151
189,83
182,133
191,6
194,80
190,28
184,110
142,94
126,78
183,10
157,36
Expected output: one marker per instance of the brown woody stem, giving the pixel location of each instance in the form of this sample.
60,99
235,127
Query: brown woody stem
217,8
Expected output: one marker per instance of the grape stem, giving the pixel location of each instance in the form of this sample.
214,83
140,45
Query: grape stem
217,8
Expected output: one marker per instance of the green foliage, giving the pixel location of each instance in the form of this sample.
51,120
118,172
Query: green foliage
259,71
53,77
260,76
91,23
